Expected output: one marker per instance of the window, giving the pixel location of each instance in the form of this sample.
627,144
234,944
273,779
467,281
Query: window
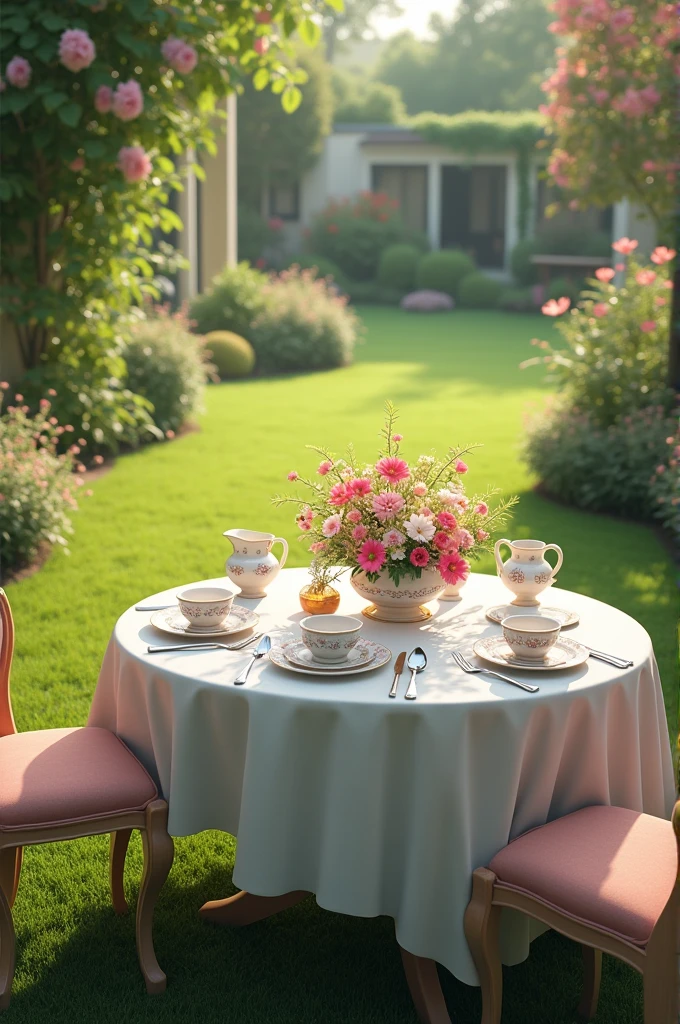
408,185
284,201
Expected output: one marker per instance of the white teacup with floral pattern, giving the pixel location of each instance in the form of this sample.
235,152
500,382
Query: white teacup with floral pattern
530,637
205,607
330,637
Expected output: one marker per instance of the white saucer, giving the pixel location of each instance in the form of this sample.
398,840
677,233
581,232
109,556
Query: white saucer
296,652
381,657
565,654
171,620
563,615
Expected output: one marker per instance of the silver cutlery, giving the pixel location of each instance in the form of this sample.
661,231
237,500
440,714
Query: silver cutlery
262,648
463,663
417,660
212,646
398,669
154,607
609,659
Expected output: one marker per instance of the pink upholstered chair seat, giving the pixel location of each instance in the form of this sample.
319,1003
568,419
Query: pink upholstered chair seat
59,776
605,866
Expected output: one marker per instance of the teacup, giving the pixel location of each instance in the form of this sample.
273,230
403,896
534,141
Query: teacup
530,637
205,607
330,637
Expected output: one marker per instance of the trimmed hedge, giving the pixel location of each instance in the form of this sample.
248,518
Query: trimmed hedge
398,266
443,271
478,291
231,354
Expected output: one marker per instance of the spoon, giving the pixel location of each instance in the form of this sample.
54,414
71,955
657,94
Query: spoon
262,648
417,660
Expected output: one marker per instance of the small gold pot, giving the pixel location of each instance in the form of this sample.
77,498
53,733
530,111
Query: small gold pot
319,602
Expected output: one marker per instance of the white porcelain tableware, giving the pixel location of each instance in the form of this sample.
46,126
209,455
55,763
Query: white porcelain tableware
565,617
252,566
330,638
403,603
172,621
530,637
299,655
565,654
277,655
205,608
527,572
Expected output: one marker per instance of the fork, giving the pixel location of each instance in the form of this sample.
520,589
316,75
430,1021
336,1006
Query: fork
463,663
213,646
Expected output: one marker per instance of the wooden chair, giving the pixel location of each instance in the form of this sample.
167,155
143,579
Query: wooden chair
60,784
606,877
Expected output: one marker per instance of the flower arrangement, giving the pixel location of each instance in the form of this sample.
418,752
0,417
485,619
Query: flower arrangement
394,517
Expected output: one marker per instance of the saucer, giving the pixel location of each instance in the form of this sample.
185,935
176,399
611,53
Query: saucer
562,615
296,652
564,654
171,620
381,657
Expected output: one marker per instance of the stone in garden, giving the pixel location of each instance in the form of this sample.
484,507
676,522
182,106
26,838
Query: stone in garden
426,301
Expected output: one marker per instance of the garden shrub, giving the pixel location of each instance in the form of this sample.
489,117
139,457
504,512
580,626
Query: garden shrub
554,239
37,486
323,266
167,365
231,354
231,303
303,325
523,270
257,238
354,232
398,265
479,291
442,271
517,300
371,293
665,484
564,286
427,302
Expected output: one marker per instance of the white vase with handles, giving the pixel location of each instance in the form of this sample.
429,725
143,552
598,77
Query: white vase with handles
252,566
527,572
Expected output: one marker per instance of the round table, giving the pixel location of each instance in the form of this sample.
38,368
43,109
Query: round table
381,806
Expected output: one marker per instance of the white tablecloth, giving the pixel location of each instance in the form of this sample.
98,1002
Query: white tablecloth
383,806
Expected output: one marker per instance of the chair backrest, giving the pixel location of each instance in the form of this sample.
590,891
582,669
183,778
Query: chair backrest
7,725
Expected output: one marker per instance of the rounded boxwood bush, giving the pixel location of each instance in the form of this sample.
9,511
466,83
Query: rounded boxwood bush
442,271
560,286
231,303
398,266
523,270
478,291
231,354
517,300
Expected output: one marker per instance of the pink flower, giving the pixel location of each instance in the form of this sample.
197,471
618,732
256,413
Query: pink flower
263,17
442,540
420,490
619,266
419,557
292,475
393,539
134,163
645,276
393,468
600,309
261,45
482,535
354,516
622,18
452,568
78,164
98,459
186,59
103,99
463,539
76,49
387,504
170,48
359,532
371,556
460,502
50,391
660,301
331,526
605,273
324,468
600,96
18,398
4,385
304,524
668,284
625,245
647,326
18,72
128,100
662,255
360,486
397,438
425,511
339,494
482,509
317,546
461,467
555,307
447,520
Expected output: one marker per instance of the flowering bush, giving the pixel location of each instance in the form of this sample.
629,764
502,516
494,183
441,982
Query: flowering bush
616,338
393,517
304,324
231,303
665,484
354,232
37,486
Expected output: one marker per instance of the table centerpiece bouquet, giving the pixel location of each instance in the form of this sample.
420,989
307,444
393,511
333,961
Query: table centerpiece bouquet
406,530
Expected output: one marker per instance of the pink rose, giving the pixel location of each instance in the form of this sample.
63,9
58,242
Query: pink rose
647,326
354,516
103,99
185,60
263,17
625,245
134,163
261,45
170,48
605,274
18,72
419,557
76,49
324,468
482,509
600,309
78,164
447,520
128,101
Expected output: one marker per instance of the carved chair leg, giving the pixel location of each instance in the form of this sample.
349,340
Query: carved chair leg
426,992
158,855
117,851
7,946
481,931
660,975
10,871
592,974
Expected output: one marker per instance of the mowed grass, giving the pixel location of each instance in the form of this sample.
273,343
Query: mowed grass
156,521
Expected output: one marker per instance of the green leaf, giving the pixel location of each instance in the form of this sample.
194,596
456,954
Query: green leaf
53,22
42,135
137,9
261,79
291,99
289,24
164,164
5,190
136,46
18,24
46,51
198,171
94,149
310,32
29,40
278,85
53,100
15,103
70,114
337,5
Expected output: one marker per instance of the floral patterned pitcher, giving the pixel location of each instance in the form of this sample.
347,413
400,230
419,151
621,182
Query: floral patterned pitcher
527,572
252,566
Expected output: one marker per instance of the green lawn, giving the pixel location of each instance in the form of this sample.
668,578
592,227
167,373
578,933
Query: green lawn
156,521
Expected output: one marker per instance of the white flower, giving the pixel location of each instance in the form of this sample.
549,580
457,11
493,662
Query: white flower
398,554
420,528
446,496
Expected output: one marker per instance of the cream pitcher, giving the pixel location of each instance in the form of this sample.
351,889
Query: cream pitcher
527,572
252,566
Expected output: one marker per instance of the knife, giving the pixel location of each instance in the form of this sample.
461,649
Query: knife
398,669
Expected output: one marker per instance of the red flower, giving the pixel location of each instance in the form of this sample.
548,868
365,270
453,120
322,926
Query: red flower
371,556
339,494
332,229
419,557
452,568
